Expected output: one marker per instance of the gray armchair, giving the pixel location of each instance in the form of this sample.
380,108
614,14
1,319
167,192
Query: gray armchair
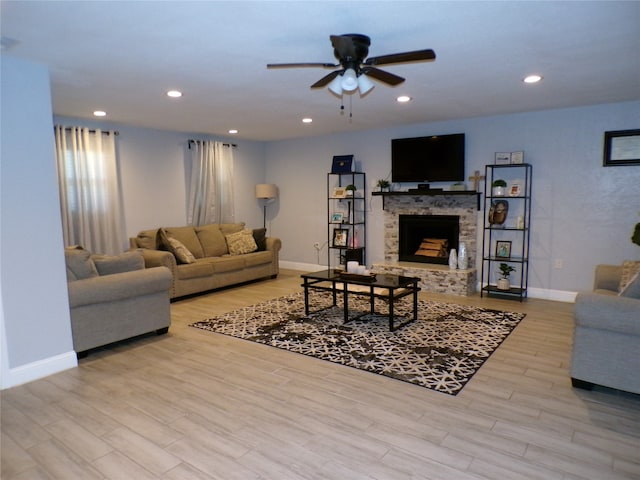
115,298
607,334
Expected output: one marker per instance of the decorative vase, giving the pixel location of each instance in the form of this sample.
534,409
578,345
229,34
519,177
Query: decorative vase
503,284
462,257
453,259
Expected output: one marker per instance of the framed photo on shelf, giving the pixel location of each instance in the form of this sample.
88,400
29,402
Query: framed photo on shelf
342,164
515,190
339,192
340,237
503,158
503,248
337,217
517,157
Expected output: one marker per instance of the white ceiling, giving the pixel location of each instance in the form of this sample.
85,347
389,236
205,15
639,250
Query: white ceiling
122,56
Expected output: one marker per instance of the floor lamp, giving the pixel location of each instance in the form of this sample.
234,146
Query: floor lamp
267,192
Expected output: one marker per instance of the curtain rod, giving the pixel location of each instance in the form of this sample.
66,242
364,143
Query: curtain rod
104,132
232,145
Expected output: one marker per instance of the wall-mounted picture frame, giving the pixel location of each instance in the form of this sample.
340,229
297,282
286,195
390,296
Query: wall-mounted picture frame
340,237
503,248
339,192
503,158
621,147
517,157
337,217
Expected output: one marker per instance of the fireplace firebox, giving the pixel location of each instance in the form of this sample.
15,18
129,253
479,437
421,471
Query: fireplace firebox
427,238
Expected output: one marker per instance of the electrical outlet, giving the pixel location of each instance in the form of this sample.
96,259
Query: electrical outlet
558,263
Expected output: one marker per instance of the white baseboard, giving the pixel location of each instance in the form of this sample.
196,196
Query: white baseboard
39,369
303,267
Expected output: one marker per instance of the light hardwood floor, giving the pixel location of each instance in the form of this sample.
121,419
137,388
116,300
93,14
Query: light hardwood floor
197,405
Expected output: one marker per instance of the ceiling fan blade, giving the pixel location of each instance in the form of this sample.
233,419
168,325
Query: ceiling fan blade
296,65
386,77
326,80
416,56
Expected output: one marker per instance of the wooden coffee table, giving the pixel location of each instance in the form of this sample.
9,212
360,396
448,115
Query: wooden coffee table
385,286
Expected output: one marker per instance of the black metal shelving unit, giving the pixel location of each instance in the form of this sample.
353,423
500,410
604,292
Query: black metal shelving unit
519,205
354,220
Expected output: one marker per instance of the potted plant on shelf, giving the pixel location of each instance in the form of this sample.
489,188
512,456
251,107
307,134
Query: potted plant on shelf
383,185
351,190
498,187
505,271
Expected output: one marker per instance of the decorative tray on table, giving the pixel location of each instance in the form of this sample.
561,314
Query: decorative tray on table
370,277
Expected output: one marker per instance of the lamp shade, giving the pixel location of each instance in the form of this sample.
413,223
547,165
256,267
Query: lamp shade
266,190
364,84
349,80
336,85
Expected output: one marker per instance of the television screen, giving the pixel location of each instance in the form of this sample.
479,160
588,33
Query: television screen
437,158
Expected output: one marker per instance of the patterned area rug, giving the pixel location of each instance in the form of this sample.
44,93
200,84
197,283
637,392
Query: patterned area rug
441,351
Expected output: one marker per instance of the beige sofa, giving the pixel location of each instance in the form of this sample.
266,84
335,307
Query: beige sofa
210,256
114,298
607,330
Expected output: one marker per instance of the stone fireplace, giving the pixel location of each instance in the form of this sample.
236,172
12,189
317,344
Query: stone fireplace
444,209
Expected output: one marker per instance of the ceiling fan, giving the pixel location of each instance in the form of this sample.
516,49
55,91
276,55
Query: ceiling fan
351,50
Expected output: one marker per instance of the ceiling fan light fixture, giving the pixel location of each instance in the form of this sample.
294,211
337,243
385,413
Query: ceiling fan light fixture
336,85
349,80
365,85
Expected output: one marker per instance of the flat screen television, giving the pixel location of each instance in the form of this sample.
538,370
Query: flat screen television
436,158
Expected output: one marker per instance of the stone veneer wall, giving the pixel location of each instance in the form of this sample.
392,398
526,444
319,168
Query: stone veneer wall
434,278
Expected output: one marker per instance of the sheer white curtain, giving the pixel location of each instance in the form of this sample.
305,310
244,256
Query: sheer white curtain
89,190
211,186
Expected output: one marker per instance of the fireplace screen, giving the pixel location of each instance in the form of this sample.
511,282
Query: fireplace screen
427,238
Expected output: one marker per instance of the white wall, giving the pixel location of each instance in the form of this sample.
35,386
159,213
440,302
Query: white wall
582,213
33,288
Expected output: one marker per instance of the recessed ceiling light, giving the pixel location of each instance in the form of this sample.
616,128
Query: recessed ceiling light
174,93
100,113
307,120
532,79
403,99
233,131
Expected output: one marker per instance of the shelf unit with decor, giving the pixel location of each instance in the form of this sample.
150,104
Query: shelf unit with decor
346,219
506,234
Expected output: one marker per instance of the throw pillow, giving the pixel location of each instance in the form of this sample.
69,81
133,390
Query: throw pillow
629,269
241,242
181,252
125,262
260,236
79,263
632,289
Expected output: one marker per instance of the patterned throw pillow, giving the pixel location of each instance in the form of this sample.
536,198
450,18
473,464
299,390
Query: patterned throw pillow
181,252
629,269
241,242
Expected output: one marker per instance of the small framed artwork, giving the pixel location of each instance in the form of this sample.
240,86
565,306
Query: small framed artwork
342,164
503,248
517,157
515,190
339,192
621,147
340,237
503,158
337,217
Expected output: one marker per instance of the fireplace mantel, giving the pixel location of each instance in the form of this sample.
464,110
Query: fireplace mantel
429,193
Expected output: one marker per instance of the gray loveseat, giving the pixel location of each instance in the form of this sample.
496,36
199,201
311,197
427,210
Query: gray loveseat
210,256
607,331
114,298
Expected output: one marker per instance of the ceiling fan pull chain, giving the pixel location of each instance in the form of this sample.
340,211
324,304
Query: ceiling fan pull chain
350,107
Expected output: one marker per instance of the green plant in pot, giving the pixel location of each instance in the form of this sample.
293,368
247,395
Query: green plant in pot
505,271
635,237
498,187
351,190
383,185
